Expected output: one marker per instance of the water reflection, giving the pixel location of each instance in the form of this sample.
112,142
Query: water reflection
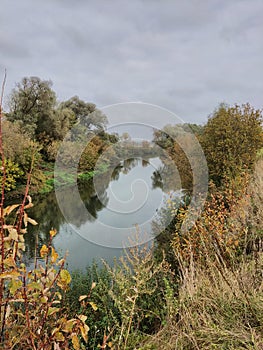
105,216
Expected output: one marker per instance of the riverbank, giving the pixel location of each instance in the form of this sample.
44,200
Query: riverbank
64,178
48,183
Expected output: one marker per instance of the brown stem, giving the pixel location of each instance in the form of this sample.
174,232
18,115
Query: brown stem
47,257
27,312
22,208
48,305
2,204
21,212
35,259
3,178
52,298
130,321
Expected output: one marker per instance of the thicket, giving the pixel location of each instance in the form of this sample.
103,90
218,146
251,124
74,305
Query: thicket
220,261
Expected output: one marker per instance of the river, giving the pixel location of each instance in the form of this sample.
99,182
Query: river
116,207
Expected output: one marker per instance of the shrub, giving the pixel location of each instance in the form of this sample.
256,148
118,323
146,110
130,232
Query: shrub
12,174
231,140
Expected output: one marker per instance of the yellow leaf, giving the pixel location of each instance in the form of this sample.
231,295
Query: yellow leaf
21,246
82,318
61,262
65,276
13,234
82,297
43,251
34,285
75,342
10,274
15,285
69,326
93,285
54,255
25,219
84,332
52,310
10,208
52,233
93,305
32,221
58,295
43,300
59,336
30,204
21,238
55,330
10,262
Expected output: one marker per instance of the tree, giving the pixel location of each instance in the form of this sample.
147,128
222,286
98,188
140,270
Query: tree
126,137
30,103
86,114
180,143
33,107
55,126
196,129
231,139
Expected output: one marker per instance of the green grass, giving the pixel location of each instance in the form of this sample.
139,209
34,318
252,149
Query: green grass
64,178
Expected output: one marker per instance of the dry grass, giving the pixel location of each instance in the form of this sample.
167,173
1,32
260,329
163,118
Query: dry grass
220,303
217,308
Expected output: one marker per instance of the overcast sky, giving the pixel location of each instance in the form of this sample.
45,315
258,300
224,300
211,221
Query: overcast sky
184,56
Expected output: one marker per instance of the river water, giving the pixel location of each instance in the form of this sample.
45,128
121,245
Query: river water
116,206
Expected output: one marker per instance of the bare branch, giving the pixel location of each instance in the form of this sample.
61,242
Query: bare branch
2,93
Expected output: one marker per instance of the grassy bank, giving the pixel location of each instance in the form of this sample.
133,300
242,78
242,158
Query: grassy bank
64,178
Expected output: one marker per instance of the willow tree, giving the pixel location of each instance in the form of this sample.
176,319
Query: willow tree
31,102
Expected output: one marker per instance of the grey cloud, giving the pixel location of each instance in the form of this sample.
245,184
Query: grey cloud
185,56
8,50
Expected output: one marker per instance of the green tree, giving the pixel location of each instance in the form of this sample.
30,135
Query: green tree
52,129
55,126
126,137
86,114
30,103
195,128
180,143
33,107
231,139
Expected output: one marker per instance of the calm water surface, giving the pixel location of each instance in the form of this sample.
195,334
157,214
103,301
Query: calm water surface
115,205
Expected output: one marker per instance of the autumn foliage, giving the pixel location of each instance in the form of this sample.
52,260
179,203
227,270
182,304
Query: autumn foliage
31,298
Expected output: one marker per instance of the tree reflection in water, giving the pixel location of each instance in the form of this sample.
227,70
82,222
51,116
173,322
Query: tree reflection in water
47,213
